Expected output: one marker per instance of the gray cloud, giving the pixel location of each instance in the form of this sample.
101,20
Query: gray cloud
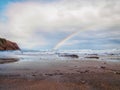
37,18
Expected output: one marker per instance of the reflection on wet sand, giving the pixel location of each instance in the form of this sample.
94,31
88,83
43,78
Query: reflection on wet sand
8,60
59,71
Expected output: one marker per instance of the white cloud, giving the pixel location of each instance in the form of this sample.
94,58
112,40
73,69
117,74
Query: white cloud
27,18
72,42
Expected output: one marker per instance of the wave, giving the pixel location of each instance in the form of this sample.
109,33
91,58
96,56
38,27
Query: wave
90,51
51,52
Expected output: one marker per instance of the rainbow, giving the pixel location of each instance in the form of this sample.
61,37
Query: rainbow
61,43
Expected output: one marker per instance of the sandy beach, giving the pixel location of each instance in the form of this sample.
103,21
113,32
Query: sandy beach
8,60
59,44
61,75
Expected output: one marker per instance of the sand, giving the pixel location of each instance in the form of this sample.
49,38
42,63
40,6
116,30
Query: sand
64,75
8,60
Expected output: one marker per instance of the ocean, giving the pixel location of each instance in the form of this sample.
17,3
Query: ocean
25,60
57,54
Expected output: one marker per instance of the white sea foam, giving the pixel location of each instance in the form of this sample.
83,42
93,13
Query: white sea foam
54,54
37,52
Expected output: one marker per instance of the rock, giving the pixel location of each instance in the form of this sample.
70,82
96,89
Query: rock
69,55
83,82
117,73
86,71
94,57
102,67
8,45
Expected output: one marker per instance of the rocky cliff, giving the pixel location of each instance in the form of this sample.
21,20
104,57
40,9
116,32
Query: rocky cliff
8,45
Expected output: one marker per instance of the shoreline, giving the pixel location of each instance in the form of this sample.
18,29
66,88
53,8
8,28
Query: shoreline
8,60
63,75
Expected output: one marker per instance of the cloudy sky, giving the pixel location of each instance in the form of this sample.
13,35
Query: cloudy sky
61,24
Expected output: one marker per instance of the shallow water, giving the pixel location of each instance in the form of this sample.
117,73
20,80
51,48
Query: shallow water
33,59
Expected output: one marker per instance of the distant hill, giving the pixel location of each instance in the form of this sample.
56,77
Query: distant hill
8,45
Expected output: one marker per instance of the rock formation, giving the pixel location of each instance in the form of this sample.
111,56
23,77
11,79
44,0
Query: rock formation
68,55
8,45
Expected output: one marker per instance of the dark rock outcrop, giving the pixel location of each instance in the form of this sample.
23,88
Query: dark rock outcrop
92,57
8,45
69,55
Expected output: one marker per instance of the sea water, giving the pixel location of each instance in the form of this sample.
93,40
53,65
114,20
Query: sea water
54,54
32,59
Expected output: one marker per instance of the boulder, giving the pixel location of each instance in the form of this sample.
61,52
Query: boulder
69,55
8,45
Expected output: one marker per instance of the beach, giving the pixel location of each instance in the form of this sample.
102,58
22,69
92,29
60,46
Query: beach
87,74
59,44
7,60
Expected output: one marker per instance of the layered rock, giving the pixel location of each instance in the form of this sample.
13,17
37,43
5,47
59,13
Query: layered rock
8,45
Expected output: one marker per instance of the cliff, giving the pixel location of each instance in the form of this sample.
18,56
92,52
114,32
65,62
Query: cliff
8,45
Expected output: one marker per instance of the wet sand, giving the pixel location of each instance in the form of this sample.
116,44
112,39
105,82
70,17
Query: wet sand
8,60
63,75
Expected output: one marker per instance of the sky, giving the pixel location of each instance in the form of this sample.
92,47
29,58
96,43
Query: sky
61,24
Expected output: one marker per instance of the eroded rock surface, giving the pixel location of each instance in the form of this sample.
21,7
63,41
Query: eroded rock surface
8,45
